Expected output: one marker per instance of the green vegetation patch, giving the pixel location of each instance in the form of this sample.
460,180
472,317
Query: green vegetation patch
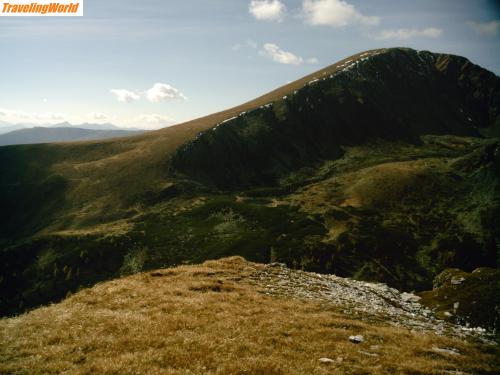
221,227
467,298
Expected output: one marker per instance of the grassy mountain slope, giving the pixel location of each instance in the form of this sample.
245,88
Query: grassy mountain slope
105,176
216,318
377,167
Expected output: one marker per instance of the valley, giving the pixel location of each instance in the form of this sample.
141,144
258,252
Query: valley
383,167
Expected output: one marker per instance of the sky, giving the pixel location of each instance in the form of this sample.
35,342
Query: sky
154,63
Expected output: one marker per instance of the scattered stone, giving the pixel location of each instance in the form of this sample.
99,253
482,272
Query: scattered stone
357,339
276,264
357,298
448,314
326,361
410,297
478,330
450,351
368,353
457,281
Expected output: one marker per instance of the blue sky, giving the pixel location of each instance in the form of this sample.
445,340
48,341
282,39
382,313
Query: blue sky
150,63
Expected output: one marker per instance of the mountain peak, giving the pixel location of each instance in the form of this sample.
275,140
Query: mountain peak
396,93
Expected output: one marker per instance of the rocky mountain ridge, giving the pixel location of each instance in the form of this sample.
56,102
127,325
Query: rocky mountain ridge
396,94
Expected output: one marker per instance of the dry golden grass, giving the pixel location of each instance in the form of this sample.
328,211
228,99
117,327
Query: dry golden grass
209,319
367,187
385,182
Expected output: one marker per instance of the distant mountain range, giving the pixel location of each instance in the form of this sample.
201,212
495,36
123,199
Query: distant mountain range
86,125
7,127
63,132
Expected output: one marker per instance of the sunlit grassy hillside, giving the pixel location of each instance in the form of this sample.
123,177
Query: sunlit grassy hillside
99,181
215,319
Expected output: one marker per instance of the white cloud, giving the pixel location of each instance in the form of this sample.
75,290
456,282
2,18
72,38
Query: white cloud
48,116
163,91
153,121
159,91
125,96
312,60
267,10
485,28
335,13
248,43
97,116
403,34
275,53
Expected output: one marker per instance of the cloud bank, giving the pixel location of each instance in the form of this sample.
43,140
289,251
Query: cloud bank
404,34
16,116
485,28
97,116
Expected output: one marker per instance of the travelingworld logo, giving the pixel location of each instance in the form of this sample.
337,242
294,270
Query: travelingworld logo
44,8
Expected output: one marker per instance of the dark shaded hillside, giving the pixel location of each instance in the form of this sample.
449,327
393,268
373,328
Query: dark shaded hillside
395,95
39,184
381,167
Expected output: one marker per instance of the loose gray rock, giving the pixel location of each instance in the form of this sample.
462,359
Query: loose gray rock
368,353
354,297
450,351
410,297
326,361
276,264
457,281
357,339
